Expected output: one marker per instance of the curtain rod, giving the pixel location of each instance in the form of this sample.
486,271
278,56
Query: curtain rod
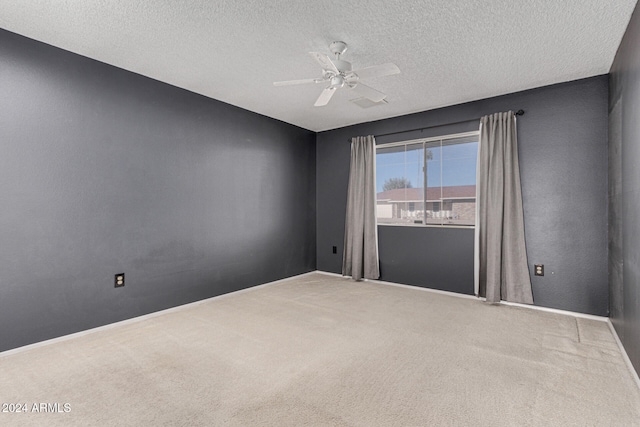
517,113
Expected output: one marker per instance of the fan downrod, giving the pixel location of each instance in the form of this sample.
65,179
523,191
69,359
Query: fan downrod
338,48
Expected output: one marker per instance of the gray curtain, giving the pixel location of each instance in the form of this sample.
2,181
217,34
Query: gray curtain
502,270
360,258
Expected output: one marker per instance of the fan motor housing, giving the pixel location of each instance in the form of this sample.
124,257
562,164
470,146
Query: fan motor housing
342,66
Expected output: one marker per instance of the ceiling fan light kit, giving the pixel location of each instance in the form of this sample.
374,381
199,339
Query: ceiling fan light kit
367,103
339,74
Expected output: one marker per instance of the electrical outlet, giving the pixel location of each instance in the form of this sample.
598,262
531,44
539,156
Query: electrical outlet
335,249
539,269
119,280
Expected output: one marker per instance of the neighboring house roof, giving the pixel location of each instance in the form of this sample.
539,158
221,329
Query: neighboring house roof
433,193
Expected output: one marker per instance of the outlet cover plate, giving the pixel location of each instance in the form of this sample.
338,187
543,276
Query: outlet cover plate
118,280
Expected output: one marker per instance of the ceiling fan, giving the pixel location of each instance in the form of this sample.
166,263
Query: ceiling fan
338,74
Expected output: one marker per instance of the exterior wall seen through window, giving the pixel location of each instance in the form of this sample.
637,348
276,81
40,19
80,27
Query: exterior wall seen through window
445,166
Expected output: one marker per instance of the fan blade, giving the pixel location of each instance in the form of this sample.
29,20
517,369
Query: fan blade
324,62
369,92
325,97
387,69
297,82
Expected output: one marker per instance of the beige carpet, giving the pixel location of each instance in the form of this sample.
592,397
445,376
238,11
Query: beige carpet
321,350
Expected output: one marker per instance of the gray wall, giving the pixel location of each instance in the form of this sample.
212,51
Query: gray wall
563,162
104,171
624,190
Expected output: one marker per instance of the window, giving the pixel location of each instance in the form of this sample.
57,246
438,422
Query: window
428,181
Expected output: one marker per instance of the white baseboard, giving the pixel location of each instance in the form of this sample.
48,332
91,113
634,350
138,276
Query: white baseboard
143,317
332,274
400,285
418,288
557,311
625,356
473,297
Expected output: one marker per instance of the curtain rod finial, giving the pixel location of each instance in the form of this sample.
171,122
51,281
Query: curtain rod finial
520,113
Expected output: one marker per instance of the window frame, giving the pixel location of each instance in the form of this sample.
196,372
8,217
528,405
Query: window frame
425,141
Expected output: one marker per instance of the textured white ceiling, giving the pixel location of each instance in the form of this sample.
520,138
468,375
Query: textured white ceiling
448,51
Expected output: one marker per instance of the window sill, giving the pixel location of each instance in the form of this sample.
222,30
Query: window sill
429,225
